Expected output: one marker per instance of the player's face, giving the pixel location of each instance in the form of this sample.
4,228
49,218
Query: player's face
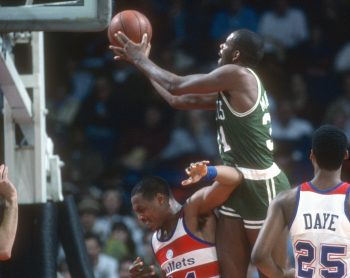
226,49
147,212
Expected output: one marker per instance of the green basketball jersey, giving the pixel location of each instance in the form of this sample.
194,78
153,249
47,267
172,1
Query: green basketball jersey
245,138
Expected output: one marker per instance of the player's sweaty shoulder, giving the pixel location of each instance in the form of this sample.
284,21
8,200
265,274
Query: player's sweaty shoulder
286,200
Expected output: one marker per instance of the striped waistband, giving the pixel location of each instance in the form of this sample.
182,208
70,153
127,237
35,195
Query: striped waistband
264,174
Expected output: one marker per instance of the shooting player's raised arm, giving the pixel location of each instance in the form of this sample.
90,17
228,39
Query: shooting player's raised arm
187,102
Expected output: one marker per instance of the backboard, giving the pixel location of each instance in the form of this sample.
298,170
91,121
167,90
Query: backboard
55,15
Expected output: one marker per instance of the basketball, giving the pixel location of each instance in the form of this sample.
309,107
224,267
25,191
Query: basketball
132,23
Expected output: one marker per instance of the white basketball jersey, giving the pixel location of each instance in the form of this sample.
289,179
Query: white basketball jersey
184,255
320,232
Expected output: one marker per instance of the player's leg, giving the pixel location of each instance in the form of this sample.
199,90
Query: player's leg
232,247
261,193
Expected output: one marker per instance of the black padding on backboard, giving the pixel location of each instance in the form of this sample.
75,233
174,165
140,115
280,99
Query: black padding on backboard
35,249
72,239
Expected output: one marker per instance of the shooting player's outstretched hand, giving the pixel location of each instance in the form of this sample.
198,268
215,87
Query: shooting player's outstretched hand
196,171
129,50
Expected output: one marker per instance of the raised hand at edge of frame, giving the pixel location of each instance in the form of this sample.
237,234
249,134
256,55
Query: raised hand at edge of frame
138,269
129,50
7,189
196,171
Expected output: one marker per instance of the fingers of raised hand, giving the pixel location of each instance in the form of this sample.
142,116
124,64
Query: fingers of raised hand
200,163
187,182
3,172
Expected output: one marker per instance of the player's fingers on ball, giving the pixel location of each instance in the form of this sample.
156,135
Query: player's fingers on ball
144,38
118,50
122,37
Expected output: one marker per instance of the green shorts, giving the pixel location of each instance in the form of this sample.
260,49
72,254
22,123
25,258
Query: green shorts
251,199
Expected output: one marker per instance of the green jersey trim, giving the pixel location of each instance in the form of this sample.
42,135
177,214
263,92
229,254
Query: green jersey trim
251,110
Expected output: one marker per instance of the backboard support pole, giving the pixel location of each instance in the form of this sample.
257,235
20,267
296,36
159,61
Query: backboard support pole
36,170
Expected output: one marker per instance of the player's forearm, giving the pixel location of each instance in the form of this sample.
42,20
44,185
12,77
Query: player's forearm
186,102
228,176
8,228
164,78
174,84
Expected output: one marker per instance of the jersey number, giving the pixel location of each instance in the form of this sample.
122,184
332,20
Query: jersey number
191,274
267,120
223,145
330,259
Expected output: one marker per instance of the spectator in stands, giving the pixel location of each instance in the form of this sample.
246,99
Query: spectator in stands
233,15
286,125
99,119
342,59
120,244
88,209
291,135
191,136
103,265
112,202
283,28
339,110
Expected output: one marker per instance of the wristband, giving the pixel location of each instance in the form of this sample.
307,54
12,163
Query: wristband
211,174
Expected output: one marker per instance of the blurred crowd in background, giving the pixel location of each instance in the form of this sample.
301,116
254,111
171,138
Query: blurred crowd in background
110,127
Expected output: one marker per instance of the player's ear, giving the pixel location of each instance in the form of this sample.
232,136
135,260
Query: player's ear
311,155
161,199
346,156
235,55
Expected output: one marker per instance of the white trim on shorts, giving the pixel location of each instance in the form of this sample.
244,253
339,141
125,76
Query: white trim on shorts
264,174
248,224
